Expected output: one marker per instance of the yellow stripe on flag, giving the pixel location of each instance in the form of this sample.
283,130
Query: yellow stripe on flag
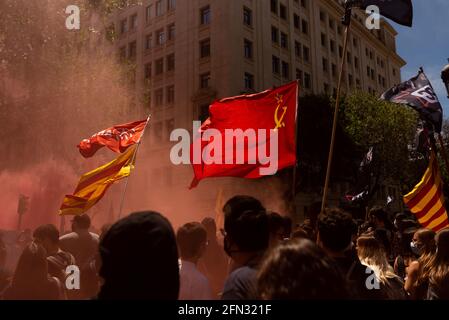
93,185
426,200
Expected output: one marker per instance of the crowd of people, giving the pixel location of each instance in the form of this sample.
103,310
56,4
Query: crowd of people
258,254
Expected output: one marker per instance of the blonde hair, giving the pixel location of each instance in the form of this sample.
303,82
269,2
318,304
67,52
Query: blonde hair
373,255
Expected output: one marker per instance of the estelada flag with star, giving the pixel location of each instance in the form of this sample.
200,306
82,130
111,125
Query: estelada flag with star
255,120
117,138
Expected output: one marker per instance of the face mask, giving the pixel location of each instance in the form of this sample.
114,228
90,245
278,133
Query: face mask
415,248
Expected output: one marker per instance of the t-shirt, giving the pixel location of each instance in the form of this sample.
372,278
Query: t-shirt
82,245
57,264
357,275
242,283
193,284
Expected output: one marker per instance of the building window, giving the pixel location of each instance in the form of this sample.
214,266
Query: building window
325,65
170,126
249,81
148,71
299,75
296,21
274,6
331,23
354,42
356,62
340,51
368,71
326,88
205,15
205,80
322,16
171,62
323,40
132,50
339,30
171,4
305,26
351,80
394,72
171,32
332,45
283,11
170,94
305,53
122,53
203,112
205,48
304,4
334,70
297,49
284,40
285,70
148,11
349,58
123,26
307,81
148,41
159,66
248,48
133,22
276,65
247,17
160,37
159,8
159,97
274,35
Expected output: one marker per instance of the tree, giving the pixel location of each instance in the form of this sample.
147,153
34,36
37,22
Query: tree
390,129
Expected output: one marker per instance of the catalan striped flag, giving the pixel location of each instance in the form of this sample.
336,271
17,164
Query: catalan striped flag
93,185
426,201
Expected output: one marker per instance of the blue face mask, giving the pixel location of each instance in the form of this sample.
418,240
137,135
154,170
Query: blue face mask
417,250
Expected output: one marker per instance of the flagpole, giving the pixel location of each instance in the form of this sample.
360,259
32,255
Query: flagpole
296,153
133,162
346,22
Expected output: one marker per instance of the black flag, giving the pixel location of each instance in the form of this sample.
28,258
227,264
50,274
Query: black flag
400,11
419,94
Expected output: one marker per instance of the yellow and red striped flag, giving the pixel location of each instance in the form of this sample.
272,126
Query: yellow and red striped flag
93,185
426,200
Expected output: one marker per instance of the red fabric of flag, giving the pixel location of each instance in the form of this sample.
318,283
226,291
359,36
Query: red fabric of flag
117,138
273,110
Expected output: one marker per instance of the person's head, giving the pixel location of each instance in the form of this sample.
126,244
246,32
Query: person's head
379,217
32,268
381,236
211,228
140,259
439,265
81,222
276,228
335,229
398,219
192,241
372,254
246,227
299,270
47,235
423,242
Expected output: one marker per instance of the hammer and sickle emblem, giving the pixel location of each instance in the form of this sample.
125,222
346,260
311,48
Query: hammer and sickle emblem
279,121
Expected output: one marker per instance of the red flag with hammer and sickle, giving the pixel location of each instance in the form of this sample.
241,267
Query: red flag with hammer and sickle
238,139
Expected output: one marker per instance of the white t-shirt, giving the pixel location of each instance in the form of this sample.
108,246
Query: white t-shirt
193,284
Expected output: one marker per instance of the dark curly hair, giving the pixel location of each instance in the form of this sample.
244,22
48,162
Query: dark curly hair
335,229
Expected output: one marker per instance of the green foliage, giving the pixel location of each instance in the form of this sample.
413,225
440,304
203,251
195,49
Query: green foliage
388,127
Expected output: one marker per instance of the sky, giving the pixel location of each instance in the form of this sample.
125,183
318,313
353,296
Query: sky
426,44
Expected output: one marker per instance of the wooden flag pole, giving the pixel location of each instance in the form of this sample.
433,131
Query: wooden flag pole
347,23
132,162
296,148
